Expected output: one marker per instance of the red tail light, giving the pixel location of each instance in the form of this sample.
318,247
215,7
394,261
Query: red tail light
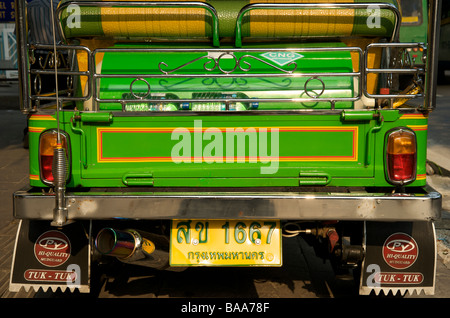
401,156
47,144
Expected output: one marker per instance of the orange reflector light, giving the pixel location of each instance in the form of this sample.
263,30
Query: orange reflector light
401,156
47,143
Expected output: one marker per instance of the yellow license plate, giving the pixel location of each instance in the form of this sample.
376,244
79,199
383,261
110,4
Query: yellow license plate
225,243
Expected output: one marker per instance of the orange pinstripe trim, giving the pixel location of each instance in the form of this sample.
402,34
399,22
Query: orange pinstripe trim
421,176
34,177
418,127
353,157
413,116
36,129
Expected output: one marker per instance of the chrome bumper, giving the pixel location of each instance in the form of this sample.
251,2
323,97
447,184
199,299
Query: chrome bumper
351,206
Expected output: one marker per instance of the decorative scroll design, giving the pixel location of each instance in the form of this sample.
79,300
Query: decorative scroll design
140,95
235,81
188,63
310,92
47,62
305,88
168,86
239,63
284,83
265,62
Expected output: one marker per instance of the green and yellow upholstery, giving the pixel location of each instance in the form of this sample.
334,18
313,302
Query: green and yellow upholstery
192,23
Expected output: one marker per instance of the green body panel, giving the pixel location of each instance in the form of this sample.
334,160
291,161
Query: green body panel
137,150
153,147
183,148
416,32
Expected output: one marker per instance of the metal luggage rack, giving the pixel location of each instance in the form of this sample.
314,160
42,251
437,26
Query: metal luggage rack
241,69
213,69
46,68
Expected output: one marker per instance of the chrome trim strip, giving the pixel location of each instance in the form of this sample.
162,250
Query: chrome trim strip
250,205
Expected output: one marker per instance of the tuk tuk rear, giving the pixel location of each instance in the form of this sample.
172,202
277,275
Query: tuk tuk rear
207,133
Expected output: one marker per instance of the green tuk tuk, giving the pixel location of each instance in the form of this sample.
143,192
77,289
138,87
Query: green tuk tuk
188,133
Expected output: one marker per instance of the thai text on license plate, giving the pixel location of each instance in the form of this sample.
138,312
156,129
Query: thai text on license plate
225,243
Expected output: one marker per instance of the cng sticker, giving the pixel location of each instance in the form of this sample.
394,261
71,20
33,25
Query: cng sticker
282,58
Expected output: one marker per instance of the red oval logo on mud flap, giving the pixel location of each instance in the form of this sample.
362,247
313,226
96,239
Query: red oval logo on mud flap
52,248
400,251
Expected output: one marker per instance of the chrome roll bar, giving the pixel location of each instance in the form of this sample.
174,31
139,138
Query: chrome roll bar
147,4
297,6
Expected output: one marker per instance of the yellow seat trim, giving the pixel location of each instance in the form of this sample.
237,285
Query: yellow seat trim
159,22
314,22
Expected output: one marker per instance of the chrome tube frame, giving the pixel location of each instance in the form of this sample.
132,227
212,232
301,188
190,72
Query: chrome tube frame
361,74
68,73
147,4
230,52
417,71
297,6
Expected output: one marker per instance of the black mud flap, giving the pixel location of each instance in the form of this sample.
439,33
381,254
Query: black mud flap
399,257
48,257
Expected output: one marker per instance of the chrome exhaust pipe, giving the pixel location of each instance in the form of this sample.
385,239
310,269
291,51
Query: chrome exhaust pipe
135,247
